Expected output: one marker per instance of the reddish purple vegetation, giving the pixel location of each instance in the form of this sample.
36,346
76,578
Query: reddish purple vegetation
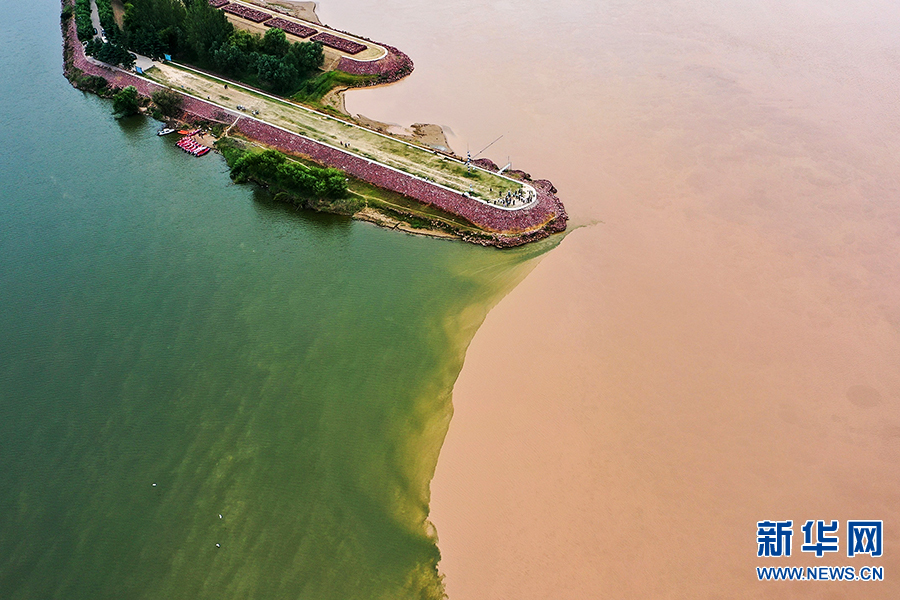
218,3
513,227
509,228
339,43
393,67
245,12
486,164
290,27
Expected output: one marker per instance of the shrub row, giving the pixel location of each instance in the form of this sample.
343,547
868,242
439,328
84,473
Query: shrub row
297,29
339,43
251,14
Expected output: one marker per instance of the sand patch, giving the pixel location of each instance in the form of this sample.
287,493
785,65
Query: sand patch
426,134
295,8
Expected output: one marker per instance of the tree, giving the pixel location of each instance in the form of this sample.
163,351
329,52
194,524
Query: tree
245,40
278,74
168,101
231,60
111,54
84,28
205,30
155,27
126,102
306,57
274,42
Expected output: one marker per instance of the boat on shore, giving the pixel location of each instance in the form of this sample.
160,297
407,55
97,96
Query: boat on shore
191,147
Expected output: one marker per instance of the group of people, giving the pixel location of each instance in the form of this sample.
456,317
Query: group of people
510,199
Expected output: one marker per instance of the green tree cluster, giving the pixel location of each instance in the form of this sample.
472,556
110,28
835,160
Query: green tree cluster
110,53
275,61
189,29
108,21
273,168
195,32
155,27
84,28
126,102
168,102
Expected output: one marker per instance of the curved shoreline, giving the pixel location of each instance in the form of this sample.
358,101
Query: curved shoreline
501,228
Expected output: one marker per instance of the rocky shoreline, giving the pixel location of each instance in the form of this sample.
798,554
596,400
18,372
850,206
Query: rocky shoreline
502,228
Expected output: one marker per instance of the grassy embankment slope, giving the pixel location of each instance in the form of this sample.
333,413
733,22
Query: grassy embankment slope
405,157
363,199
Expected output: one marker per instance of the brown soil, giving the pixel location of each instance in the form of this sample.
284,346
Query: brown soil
419,133
206,139
295,8
335,99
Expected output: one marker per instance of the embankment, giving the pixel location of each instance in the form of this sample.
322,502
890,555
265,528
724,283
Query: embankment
501,228
393,67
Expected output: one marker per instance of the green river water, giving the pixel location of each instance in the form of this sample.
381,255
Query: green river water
174,348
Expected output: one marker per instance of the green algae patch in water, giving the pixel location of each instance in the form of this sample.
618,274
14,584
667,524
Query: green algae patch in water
203,393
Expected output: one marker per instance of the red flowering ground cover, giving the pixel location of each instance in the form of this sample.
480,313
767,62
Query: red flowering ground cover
290,27
339,43
218,3
544,217
393,67
509,228
245,12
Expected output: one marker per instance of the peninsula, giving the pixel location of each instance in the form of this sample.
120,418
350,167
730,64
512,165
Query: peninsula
278,113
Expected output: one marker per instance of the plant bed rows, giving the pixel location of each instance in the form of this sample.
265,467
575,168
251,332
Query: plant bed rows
338,43
218,3
301,31
251,14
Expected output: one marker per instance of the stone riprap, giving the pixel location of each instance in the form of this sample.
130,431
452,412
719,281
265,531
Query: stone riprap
502,228
393,67
547,215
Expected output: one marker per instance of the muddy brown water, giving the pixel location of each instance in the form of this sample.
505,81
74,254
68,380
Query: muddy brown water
716,341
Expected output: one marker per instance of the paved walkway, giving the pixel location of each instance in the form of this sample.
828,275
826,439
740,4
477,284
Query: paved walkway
95,19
